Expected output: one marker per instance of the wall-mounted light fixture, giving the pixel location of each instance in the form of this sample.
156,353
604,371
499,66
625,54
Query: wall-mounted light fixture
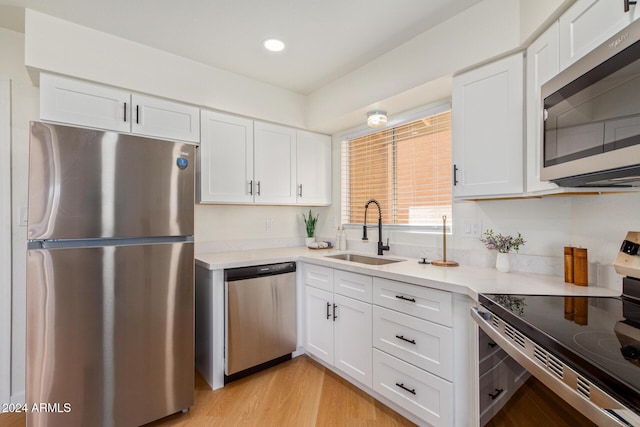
377,119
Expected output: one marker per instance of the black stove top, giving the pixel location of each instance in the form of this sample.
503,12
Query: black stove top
597,336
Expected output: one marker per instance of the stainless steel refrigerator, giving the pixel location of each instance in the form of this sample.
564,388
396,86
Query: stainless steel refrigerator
110,278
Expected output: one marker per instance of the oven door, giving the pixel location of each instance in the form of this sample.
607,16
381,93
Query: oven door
576,390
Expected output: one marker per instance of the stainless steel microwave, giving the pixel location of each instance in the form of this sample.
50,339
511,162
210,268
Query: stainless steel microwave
591,117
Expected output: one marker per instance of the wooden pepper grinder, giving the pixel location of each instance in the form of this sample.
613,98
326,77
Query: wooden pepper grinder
568,264
580,267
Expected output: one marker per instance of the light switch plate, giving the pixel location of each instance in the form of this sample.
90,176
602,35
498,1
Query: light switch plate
472,229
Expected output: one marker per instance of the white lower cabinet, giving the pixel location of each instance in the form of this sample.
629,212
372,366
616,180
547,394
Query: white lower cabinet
408,344
338,327
424,394
352,338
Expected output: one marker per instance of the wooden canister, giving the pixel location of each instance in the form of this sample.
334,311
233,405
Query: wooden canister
568,264
580,267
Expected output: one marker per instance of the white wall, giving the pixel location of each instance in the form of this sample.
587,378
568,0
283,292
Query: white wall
63,47
458,43
24,105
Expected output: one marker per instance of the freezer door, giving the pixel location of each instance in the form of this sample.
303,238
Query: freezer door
110,334
87,183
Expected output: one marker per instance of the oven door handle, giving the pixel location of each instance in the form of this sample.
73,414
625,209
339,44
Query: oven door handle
524,355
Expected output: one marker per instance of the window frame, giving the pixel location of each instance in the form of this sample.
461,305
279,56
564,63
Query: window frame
400,120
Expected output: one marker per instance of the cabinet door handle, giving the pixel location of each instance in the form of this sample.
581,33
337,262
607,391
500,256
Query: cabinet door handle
410,390
328,307
335,312
125,112
137,114
300,190
402,297
258,184
401,337
496,394
455,175
627,3
251,188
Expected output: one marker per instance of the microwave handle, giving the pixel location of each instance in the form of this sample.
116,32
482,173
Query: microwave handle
627,3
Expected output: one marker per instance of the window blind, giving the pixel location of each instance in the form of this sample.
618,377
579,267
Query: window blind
407,169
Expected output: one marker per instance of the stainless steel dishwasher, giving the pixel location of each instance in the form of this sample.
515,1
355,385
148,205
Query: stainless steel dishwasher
260,327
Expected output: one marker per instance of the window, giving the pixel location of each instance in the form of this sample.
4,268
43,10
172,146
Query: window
407,169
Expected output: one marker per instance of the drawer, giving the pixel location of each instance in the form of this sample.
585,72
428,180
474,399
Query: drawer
353,285
486,346
425,344
429,304
419,392
498,385
318,277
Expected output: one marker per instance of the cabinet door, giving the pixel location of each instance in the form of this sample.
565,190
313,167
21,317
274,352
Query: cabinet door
313,168
318,338
275,164
487,132
543,62
353,335
226,159
75,102
589,23
164,119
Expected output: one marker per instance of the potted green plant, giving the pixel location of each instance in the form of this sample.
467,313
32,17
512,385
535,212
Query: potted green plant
504,245
310,226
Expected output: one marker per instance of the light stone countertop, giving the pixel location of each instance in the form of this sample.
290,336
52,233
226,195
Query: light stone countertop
466,280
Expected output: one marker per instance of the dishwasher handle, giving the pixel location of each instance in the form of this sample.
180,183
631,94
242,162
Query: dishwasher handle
251,272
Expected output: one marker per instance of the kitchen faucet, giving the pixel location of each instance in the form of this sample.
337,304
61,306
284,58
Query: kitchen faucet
381,247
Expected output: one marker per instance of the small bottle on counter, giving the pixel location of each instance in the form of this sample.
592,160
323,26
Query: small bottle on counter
343,239
580,267
568,264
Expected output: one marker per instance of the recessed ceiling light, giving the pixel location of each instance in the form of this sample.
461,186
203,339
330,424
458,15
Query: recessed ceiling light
274,45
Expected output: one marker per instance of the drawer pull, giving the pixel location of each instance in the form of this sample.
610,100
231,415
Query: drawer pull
401,337
496,394
328,307
492,344
412,391
402,297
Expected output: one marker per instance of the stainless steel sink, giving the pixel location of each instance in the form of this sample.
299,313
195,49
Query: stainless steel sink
363,259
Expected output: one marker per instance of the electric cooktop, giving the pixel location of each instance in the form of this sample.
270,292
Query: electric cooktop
597,336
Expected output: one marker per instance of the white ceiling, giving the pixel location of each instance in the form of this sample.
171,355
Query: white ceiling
325,39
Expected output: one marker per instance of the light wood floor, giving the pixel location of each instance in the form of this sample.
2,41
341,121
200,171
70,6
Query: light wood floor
302,393
298,393
534,405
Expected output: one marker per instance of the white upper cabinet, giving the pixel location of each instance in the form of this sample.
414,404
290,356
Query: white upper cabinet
313,168
164,119
274,164
543,63
487,129
71,101
226,159
587,24
252,162
75,102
